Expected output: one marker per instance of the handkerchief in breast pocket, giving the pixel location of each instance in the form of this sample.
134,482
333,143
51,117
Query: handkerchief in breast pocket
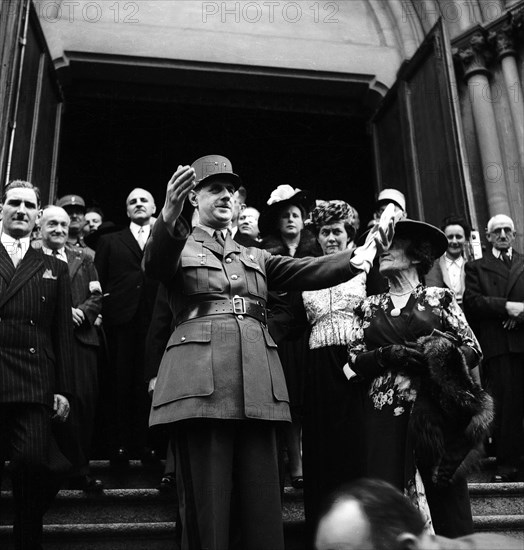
48,274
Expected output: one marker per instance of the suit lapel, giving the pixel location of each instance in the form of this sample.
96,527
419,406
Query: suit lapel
517,267
208,241
494,264
30,264
444,271
74,261
7,268
127,238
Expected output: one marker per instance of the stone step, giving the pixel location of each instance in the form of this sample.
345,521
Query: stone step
495,499
131,515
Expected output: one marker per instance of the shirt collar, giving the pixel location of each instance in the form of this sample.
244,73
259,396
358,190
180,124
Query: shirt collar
9,242
61,253
211,230
459,261
135,228
496,252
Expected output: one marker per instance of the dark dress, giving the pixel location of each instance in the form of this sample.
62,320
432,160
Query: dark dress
390,397
294,350
332,430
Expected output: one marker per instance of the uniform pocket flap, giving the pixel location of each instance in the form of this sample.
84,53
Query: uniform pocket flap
206,259
191,333
270,343
251,263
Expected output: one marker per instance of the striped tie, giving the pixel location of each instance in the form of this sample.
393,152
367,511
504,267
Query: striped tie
16,256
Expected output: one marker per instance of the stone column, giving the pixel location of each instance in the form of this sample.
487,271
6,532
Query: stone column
477,77
503,42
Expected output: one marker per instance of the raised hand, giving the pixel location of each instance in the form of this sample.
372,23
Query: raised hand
180,185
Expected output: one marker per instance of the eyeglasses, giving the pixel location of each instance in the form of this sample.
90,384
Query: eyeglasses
499,230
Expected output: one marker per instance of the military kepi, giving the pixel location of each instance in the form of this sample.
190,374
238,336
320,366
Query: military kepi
213,167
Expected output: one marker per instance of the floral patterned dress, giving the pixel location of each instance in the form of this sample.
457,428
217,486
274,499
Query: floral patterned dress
390,396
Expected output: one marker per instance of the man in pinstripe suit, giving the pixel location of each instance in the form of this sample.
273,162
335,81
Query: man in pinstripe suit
35,359
87,304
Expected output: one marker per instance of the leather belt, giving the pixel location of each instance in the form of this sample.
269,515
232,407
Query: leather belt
236,306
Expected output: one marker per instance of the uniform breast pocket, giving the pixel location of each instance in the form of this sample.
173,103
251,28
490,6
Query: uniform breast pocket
255,277
203,274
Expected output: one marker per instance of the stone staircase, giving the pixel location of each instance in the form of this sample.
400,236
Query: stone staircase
132,514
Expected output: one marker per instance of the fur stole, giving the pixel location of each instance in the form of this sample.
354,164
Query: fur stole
452,414
308,245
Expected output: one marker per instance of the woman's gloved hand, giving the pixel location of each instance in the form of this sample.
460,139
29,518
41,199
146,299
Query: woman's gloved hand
398,357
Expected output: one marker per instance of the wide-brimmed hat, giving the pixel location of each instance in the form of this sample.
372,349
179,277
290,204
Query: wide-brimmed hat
282,197
422,231
213,167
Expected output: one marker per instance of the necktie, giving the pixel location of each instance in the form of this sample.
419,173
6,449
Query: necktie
57,255
16,257
141,238
219,238
505,258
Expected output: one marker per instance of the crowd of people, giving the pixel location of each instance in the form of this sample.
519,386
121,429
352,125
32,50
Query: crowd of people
255,346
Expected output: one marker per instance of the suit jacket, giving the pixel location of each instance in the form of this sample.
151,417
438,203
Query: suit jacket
118,263
489,285
438,276
86,293
36,336
225,366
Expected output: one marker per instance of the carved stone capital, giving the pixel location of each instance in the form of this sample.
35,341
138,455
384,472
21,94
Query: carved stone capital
503,40
475,57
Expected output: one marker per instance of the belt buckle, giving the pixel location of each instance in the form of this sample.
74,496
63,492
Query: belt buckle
239,305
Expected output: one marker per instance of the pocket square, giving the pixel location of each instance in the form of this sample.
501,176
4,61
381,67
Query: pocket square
48,274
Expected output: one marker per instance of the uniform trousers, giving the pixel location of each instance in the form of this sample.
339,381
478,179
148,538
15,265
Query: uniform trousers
505,381
25,435
228,484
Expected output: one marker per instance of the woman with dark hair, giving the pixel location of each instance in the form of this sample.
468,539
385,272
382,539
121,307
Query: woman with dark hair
333,408
283,232
425,418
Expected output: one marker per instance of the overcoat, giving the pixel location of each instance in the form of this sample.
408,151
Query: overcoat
225,366
489,285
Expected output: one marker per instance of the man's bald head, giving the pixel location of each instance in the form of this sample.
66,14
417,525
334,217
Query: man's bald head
54,227
140,206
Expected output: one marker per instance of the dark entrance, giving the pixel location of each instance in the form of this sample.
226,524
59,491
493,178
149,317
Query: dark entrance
120,135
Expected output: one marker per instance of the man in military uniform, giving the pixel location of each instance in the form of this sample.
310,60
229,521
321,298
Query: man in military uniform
220,385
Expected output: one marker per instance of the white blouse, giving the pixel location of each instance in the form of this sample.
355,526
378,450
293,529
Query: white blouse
330,311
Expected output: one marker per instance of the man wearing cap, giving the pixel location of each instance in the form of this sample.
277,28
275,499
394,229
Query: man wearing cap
220,385
494,299
127,307
75,207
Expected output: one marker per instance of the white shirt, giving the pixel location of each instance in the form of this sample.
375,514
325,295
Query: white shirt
497,253
455,269
60,254
11,244
135,230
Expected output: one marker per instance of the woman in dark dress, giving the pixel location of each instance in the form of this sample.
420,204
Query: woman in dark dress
282,228
424,416
333,408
